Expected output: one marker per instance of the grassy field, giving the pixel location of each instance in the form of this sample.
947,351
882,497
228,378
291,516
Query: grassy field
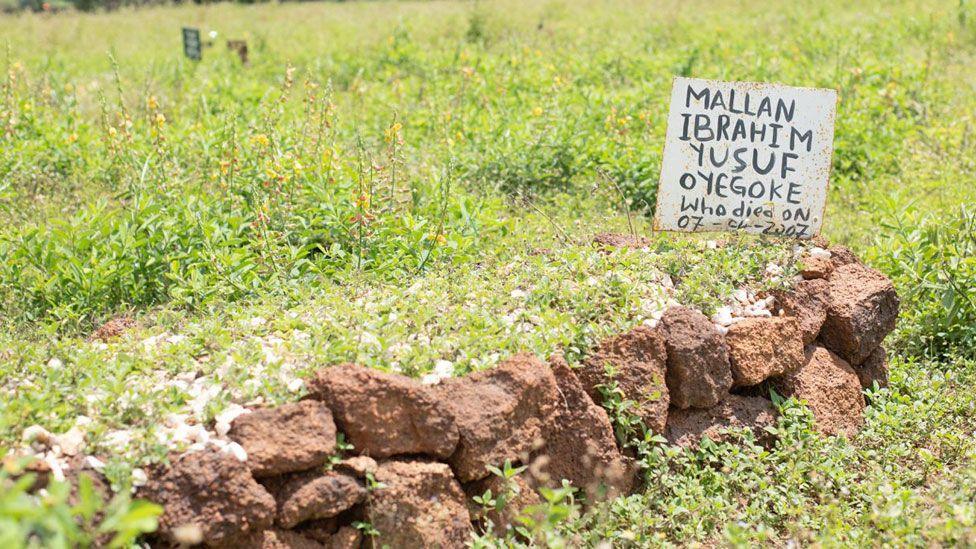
411,184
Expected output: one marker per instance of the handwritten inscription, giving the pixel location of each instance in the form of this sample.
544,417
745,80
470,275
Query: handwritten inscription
742,156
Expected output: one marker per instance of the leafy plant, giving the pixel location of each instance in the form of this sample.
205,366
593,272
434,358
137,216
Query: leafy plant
933,263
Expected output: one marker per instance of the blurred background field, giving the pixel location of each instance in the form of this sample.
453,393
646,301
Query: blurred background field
370,148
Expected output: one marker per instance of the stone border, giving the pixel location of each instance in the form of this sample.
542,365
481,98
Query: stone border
421,453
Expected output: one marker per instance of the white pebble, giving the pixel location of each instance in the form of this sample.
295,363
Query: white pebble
231,413
430,379
94,463
118,439
741,295
369,339
819,253
723,316
72,441
444,368
37,433
139,477
57,471
237,451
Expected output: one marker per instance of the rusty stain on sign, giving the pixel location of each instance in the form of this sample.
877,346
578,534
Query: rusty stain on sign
746,156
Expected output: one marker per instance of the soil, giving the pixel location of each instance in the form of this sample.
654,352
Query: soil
687,427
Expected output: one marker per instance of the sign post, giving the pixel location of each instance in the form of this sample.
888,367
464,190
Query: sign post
191,43
742,156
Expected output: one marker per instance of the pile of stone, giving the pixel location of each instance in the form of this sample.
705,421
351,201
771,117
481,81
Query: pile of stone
420,453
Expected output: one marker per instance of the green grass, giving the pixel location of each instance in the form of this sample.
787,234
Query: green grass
399,183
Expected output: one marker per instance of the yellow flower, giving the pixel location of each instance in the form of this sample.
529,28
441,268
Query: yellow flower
72,138
260,139
151,103
362,201
112,131
537,111
160,119
441,239
393,132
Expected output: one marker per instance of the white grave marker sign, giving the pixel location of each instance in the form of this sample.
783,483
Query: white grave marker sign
743,156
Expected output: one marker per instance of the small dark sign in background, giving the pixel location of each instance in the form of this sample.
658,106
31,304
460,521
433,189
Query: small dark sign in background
191,43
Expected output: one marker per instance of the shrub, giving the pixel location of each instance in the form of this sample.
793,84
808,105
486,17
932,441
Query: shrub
932,261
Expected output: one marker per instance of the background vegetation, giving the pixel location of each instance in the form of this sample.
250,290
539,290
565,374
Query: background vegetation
445,163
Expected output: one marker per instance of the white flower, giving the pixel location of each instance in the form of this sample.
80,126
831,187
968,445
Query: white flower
256,322
295,385
94,463
518,294
55,363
